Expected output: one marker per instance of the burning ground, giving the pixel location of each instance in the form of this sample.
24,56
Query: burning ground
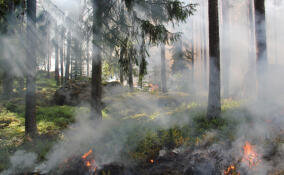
152,134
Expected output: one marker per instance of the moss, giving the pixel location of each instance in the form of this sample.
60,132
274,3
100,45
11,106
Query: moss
51,121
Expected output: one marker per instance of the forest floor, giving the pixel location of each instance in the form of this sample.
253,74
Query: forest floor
149,121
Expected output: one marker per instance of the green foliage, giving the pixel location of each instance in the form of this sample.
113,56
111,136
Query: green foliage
51,121
178,12
158,33
55,118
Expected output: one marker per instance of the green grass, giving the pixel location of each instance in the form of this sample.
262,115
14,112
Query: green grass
50,122
145,131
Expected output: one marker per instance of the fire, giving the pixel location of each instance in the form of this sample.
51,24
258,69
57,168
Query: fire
231,170
88,162
152,161
250,157
153,87
87,154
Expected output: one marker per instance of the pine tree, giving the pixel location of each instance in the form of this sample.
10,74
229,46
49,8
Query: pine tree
261,47
214,97
30,110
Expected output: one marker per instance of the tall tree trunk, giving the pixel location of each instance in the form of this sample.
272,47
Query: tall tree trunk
7,84
48,55
130,72
80,60
121,72
261,48
121,79
62,55
30,110
68,57
76,60
214,97
163,69
88,58
56,60
143,63
96,87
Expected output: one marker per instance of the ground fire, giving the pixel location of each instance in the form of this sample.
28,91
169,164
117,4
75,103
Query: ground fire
89,162
250,157
231,170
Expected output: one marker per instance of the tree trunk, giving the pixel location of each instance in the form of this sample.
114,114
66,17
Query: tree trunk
214,97
261,48
143,62
56,61
121,75
7,84
163,69
88,58
68,58
121,71
96,87
62,55
30,110
130,71
48,55
76,60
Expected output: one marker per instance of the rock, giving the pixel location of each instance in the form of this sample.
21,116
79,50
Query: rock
73,93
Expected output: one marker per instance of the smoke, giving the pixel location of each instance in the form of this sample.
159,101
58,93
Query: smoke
21,161
254,126
261,125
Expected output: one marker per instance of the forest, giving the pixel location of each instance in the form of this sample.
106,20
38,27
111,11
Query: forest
141,87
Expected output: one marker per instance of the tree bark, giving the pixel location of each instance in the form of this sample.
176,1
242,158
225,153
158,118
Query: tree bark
261,48
121,72
7,84
68,58
214,97
163,69
96,87
62,55
130,71
48,55
56,60
30,109
88,58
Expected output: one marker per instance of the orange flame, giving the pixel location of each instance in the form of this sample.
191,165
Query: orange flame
250,157
87,154
231,170
90,163
153,87
151,161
